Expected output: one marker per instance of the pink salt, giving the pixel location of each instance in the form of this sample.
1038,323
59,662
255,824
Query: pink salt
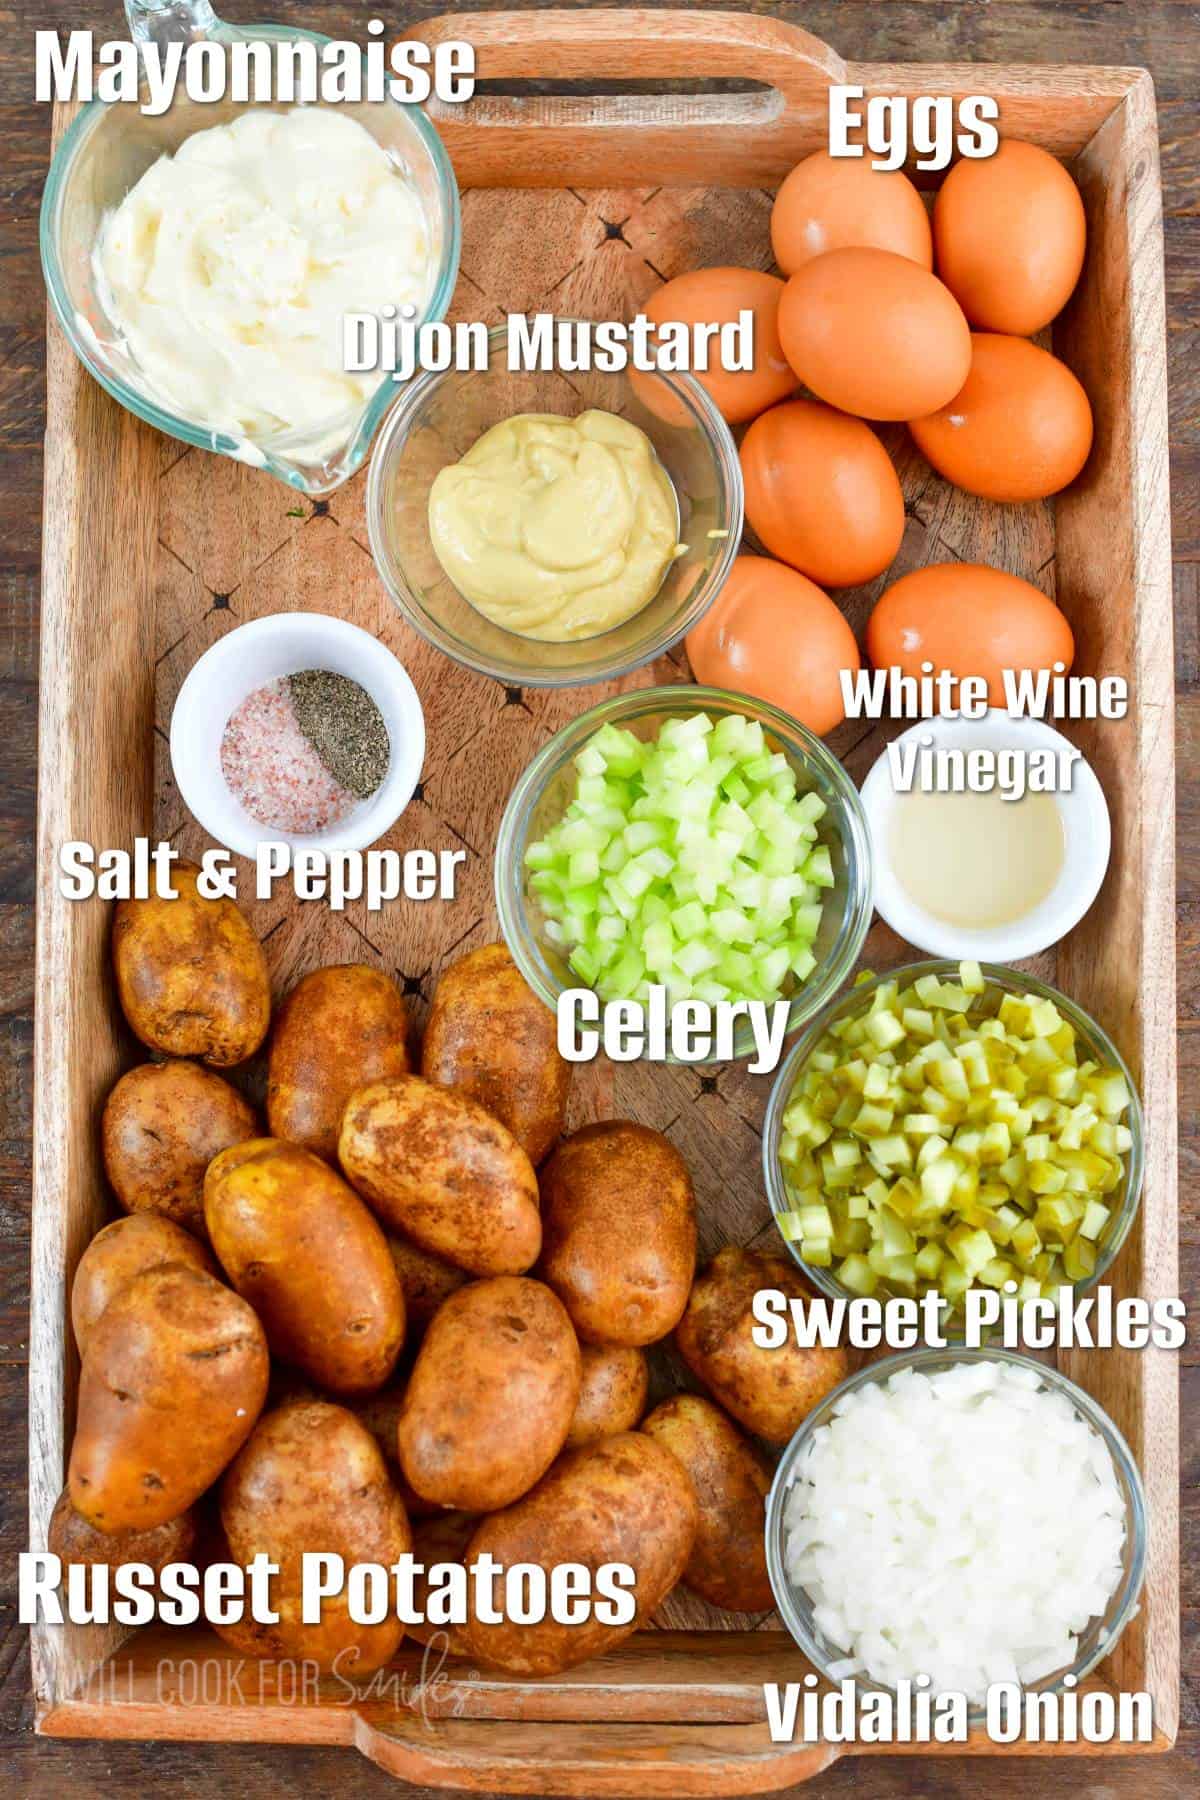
272,769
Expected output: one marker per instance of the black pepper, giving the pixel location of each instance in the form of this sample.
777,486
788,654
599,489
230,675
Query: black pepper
344,727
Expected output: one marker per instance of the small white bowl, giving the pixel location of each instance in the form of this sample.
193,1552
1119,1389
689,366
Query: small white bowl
263,651
1086,846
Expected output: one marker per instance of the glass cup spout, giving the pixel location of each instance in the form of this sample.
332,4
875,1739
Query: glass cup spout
170,21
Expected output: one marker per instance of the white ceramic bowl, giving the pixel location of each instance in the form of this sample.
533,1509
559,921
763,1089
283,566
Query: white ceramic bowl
1086,833
263,651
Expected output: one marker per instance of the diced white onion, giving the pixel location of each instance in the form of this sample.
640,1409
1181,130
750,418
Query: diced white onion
965,1525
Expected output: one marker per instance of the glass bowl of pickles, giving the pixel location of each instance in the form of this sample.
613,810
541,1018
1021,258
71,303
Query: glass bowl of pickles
947,1126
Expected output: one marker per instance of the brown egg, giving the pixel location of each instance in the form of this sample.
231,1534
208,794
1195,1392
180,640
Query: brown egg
1019,429
838,203
968,619
772,634
874,334
1009,232
716,297
821,492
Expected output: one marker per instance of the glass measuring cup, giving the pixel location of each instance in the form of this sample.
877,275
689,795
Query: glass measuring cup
111,145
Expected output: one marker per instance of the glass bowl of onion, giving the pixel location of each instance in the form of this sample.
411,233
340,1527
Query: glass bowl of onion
687,838
444,414
944,1126
970,1516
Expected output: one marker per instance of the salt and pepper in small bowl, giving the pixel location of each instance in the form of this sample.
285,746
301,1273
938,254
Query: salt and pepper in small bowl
297,728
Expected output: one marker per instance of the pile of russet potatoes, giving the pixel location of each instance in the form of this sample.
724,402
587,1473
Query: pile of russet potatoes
414,1301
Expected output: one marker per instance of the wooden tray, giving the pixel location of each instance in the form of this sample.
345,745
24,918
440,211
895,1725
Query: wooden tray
153,550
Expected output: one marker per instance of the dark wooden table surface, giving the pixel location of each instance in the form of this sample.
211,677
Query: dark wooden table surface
1157,34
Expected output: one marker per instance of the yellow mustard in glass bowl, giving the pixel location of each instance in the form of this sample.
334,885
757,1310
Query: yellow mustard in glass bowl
556,528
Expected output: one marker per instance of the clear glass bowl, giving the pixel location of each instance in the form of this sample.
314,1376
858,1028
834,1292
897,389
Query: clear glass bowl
437,420
545,789
1096,1041
795,1607
110,146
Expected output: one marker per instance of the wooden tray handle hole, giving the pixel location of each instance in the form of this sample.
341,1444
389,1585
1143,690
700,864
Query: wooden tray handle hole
679,104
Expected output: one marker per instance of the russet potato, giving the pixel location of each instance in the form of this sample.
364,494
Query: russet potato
298,1243
491,1395
770,1392
437,1168
163,1123
337,1030
120,1251
311,1479
489,1036
619,1232
612,1393
625,1500
731,1479
79,1544
174,1376
191,975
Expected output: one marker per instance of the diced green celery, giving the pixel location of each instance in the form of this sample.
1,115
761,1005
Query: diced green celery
818,867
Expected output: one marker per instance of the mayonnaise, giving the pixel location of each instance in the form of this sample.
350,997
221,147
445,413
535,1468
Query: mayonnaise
228,266
556,528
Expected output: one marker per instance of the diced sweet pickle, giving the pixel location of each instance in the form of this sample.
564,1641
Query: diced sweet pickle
938,1180
929,1261
874,1121
920,1125
1079,1259
1095,1218
994,1148
884,1030
971,1249
857,1275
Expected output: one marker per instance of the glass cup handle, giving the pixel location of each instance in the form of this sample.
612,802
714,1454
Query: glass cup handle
169,21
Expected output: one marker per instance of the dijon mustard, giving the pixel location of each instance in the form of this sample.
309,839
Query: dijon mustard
556,528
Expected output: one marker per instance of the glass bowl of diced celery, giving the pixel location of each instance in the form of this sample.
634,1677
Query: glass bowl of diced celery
947,1125
690,839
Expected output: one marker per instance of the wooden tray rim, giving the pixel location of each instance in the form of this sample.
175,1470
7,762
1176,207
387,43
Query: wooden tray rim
67,1716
